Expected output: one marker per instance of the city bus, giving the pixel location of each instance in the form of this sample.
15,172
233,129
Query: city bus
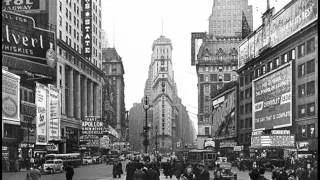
208,157
73,159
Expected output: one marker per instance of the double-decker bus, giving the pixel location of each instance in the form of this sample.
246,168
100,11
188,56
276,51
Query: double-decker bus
73,159
208,157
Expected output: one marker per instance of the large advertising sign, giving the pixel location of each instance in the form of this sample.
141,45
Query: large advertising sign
91,132
87,29
284,140
41,118
21,38
10,98
272,99
224,115
21,5
297,15
54,113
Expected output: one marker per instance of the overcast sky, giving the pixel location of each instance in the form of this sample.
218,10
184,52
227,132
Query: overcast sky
133,25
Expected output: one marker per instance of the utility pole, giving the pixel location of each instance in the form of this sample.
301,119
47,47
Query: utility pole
146,128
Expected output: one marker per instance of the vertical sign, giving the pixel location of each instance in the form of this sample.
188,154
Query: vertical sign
54,113
87,25
41,118
10,97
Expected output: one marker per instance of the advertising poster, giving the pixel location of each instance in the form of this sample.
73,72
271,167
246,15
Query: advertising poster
54,113
224,115
10,98
272,99
251,48
22,5
258,42
91,132
243,54
41,118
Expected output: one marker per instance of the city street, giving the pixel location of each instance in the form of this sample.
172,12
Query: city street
104,172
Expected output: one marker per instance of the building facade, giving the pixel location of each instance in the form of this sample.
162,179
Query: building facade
215,54
113,75
167,116
275,50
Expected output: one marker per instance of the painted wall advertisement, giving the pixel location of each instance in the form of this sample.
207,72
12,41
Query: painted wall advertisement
224,115
54,113
91,132
87,29
272,99
10,98
41,118
283,24
20,37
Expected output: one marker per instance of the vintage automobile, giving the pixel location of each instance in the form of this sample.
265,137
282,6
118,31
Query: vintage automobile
53,166
87,160
227,174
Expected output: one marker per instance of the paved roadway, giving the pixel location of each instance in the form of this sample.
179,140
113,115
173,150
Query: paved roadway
103,172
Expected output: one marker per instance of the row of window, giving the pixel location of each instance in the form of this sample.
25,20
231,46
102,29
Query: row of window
245,123
306,131
245,109
310,47
306,68
307,89
216,77
27,95
306,110
245,94
217,68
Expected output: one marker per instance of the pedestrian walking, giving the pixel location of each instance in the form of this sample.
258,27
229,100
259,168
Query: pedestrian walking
283,175
178,169
203,172
119,168
34,174
115,170
69,172
139,174
261,174
188,175
32,162
217,173
152,173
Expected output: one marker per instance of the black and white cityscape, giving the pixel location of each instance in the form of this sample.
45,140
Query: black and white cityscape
155,90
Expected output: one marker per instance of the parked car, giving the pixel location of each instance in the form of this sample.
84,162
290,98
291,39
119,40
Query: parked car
87,160
53,166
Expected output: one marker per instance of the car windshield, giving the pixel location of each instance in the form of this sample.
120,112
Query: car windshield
49,162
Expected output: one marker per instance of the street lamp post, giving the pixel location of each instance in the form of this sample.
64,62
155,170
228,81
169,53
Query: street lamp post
146,128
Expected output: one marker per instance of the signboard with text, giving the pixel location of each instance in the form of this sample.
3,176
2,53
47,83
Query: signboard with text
21,5
41,118
10,97
21,38
284,140
54,113
272,99
285,23
87,29
91,132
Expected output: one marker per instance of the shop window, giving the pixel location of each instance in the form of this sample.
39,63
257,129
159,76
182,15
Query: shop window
301,90
311,109
301,50
301,70
310,66
301,110
310,88
310,45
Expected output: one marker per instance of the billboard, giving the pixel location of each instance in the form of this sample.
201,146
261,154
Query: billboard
87,29
22,5
21,38
272,99
41,117
54,113
284,140
10,97
91,132
224,118
286,22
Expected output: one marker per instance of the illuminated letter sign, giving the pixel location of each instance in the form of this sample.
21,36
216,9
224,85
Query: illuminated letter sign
87,31
20,5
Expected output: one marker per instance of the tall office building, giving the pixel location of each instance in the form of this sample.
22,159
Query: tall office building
215,56
79,76
165,115
113,76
